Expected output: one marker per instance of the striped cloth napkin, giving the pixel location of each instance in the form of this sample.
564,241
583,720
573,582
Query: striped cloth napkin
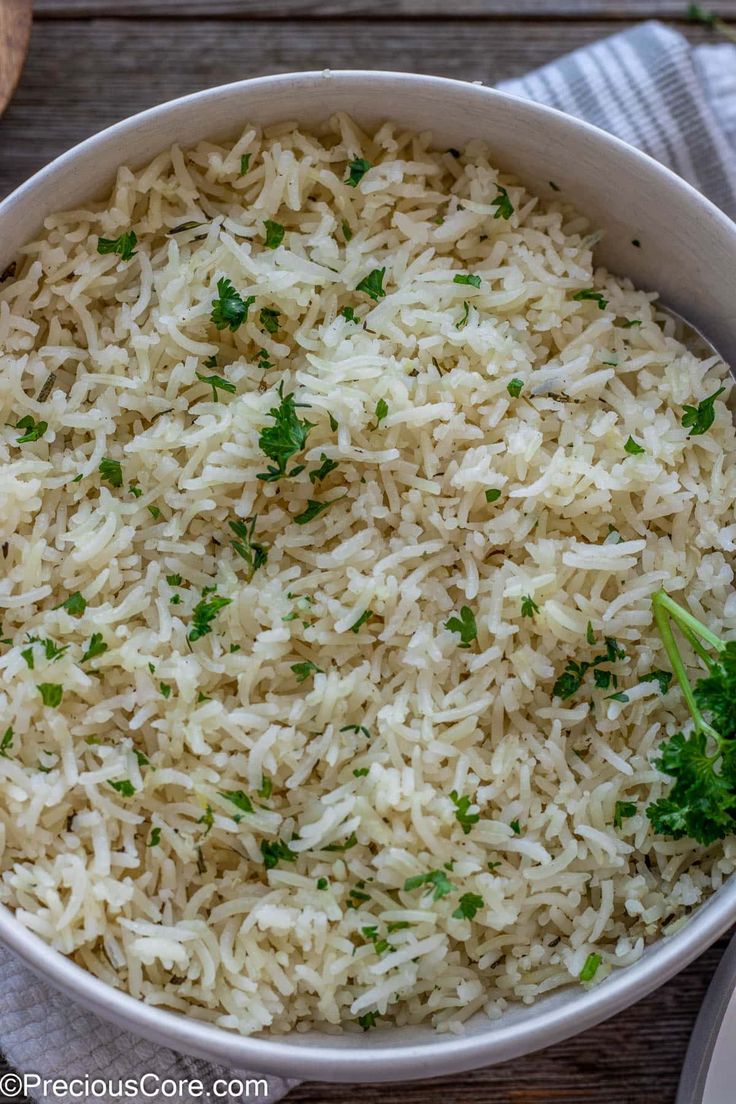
648,87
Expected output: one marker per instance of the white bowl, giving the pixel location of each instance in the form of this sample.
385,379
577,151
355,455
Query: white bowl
687,253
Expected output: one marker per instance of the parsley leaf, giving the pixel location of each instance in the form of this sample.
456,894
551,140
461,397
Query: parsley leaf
590,968
515,387
111,471
372,284
436,878
357,169
698,419
381,411
239,799
124,246
7,742
155,837
204,614
466,278
493,494
528,606
244,163
304,669
465,819
327,466
274,234
33,430
664,678
622,810
366,616
347,233
51,693
470,903
502,203
217,383
254,554
75,604
96,647
349,314
593,295
284,439
125,788
368,1020
464,625
314,509
229,309
633,448
275,852
269,319
466,314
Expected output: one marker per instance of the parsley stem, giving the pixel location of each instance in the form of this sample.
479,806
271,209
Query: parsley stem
665,608
683,617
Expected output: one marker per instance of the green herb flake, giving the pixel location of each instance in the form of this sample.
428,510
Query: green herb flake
51,693
357,729
229,309
465,316
357,169
361,772
372,284
125,788
435,878
155,839
327,466
165,689
33,431
664,678
528,606
515,387
593,296
381,411
7,742
314,509
465,626
466,278
633,448
304,669
465,819
284,439
366,616
470,904
698,419
239,799
322,883
619,696
623,810
244,163
492,494
135,490
96,647
204,613
347,233
266,788
275,852
124,245
631,323
368,1020
590,968
217,383
269,319
111,471
515,827
589,634
348,313
274,234
351,841
503,204
154,511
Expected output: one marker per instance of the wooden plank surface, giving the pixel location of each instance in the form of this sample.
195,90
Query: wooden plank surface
82,75
288,9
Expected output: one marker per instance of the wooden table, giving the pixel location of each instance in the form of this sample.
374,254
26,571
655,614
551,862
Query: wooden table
92,62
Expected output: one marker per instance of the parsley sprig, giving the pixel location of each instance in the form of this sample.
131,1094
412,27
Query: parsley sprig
229,309
254,553
285,438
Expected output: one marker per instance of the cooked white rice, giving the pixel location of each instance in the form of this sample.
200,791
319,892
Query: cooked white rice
162,891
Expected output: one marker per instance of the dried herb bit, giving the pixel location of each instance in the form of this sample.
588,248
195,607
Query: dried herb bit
592,295
553,186
327,466
204,613
314,509
381,411
274,234
229,309
75,604
276,851
470,903
45,391
254,554
464,625
96,647
217,383
466,278
124,246
633,448
191,225
305,669
7,742
111,471
155,839
269,319
502,203
702,801
9,272
366,616
528,606
368,1020
244,163
623,810
357,169
435,878
51,693
465,819
284,439
372,284
698,419
239,799
465,316
515,387
125,788
32,430
590,968
664,678
493,494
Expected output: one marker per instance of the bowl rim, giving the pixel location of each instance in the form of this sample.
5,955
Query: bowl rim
446,1053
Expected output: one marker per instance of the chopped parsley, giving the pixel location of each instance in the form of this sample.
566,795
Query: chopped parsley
572,678
361,772
327,466
124,245
51,693
623,810
464,625
372,284
244,163
314,509
284,439
465,819
7,742
266,787
229,309
174,580
466,278
435,878
381,411
366,616
466,314
357,169
322,883
619,696
347,233
515,827
493,494
204,613
208,819
592,295
135,490
349,314
304,669
217,383
351,841
239,799
502,203
698,419
528,606
269,319
274,234
33,430
75,604
357,729
155,837
368,1020
515,387
254,553
633,448
111,471
154,511
165,689
590,968
125,788
631,322
274,852
664,678
470,903
96,647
